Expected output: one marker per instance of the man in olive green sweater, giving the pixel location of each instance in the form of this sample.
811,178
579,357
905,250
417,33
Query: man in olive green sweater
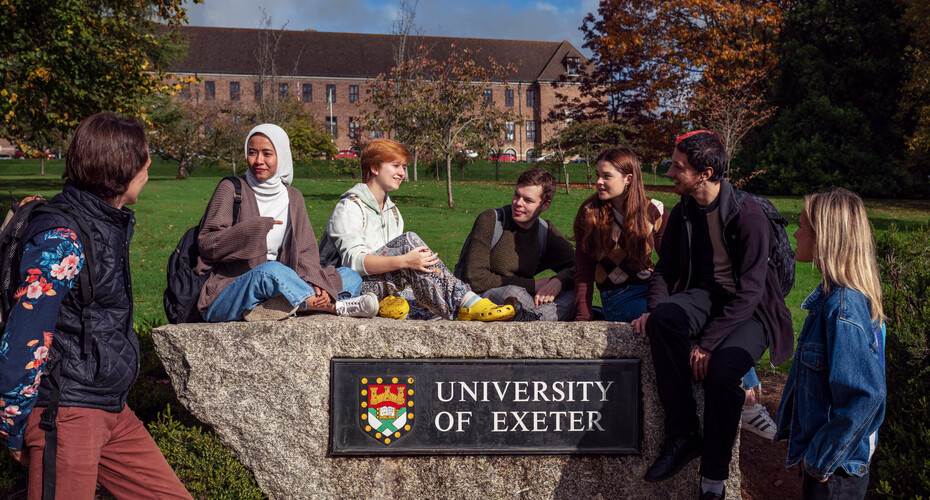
509,246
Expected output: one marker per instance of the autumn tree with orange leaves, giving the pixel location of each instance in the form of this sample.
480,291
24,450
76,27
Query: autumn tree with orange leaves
648,55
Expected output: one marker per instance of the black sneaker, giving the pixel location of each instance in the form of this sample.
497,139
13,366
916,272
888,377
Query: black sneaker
674,454
519,313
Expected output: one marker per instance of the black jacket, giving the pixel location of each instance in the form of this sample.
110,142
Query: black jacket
101,379
747,236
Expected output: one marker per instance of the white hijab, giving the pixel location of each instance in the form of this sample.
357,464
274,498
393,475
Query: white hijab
271,194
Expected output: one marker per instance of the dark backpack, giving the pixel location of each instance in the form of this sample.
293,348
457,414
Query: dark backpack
498,232
12,241
184,284
782,256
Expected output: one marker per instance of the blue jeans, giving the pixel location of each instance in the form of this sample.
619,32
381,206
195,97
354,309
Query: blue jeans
750,380
267,281
624,304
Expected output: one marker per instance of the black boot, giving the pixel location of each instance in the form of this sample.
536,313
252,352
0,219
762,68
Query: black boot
519,313
674,454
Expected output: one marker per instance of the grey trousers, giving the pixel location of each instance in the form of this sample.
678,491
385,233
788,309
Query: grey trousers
561,309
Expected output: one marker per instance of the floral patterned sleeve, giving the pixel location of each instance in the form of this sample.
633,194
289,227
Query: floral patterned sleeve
51,262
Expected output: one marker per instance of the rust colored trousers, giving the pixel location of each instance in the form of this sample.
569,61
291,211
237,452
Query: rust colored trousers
96,446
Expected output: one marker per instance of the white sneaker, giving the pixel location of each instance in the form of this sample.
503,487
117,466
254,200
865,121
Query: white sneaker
756,419
363,306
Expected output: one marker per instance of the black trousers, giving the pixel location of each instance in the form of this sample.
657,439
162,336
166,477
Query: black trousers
671,328
840,486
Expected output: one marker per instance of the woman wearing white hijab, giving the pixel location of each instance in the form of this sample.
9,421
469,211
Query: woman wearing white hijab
265,265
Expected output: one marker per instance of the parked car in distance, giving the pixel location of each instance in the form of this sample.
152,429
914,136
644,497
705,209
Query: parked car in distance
346,153
469,153
506,157
6,156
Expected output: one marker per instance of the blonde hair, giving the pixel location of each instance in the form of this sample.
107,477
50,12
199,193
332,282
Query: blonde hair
844,249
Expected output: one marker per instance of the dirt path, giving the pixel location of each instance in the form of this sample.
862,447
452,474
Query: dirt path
763,462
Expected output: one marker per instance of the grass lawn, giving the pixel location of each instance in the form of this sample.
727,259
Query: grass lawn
167,207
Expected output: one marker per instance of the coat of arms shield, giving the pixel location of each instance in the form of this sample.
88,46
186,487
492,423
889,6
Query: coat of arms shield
386,407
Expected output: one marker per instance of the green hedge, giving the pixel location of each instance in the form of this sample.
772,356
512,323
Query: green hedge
901,466
202,463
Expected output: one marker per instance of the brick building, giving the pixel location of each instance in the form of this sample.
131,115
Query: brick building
311,65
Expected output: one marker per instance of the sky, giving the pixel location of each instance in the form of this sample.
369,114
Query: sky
546,20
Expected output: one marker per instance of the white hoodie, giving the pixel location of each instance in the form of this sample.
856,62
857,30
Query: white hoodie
357,228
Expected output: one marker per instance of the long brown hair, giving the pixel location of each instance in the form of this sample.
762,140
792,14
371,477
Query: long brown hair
595,219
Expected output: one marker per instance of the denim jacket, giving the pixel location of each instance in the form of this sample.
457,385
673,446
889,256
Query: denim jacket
834,399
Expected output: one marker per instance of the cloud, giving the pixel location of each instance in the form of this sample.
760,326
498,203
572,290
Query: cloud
552,20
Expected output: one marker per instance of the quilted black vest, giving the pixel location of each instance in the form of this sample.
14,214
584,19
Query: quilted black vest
101,378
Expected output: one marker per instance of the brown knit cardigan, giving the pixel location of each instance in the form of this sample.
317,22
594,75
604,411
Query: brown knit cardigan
232,250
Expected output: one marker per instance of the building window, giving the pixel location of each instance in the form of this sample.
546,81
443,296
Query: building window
571,65
508,98
233,91
353,127
488,96
530,98
377,134
531,130
258,91
209,90
186,91
510,133
282,91
330,93
331,126
306,93
353,93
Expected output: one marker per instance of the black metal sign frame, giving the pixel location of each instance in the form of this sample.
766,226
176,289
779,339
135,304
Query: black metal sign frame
485,407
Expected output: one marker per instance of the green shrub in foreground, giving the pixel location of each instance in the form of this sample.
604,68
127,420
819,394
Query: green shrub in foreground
202,463
901,467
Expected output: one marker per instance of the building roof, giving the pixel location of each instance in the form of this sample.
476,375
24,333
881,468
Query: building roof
353,55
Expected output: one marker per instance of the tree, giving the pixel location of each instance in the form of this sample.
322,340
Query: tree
396,108
454,92
837,94
587,138
180,131
273,107
63,61
734,113
915,103
649,54
436,104
309,140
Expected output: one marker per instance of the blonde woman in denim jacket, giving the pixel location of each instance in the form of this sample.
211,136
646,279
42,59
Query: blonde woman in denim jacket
834,399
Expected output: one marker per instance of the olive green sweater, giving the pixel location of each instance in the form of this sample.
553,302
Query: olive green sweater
516,259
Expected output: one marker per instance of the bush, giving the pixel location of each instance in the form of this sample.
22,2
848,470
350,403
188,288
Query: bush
346,166
901,467
202,463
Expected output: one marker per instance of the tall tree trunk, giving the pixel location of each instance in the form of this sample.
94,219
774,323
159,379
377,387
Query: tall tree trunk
182,170
565,171
449,180
416,158
234,166
42,165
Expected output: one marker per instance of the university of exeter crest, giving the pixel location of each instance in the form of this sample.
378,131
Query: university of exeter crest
386,407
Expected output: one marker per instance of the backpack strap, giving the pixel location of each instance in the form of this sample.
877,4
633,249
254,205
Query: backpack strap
355,199
86,276
237,200
498,226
